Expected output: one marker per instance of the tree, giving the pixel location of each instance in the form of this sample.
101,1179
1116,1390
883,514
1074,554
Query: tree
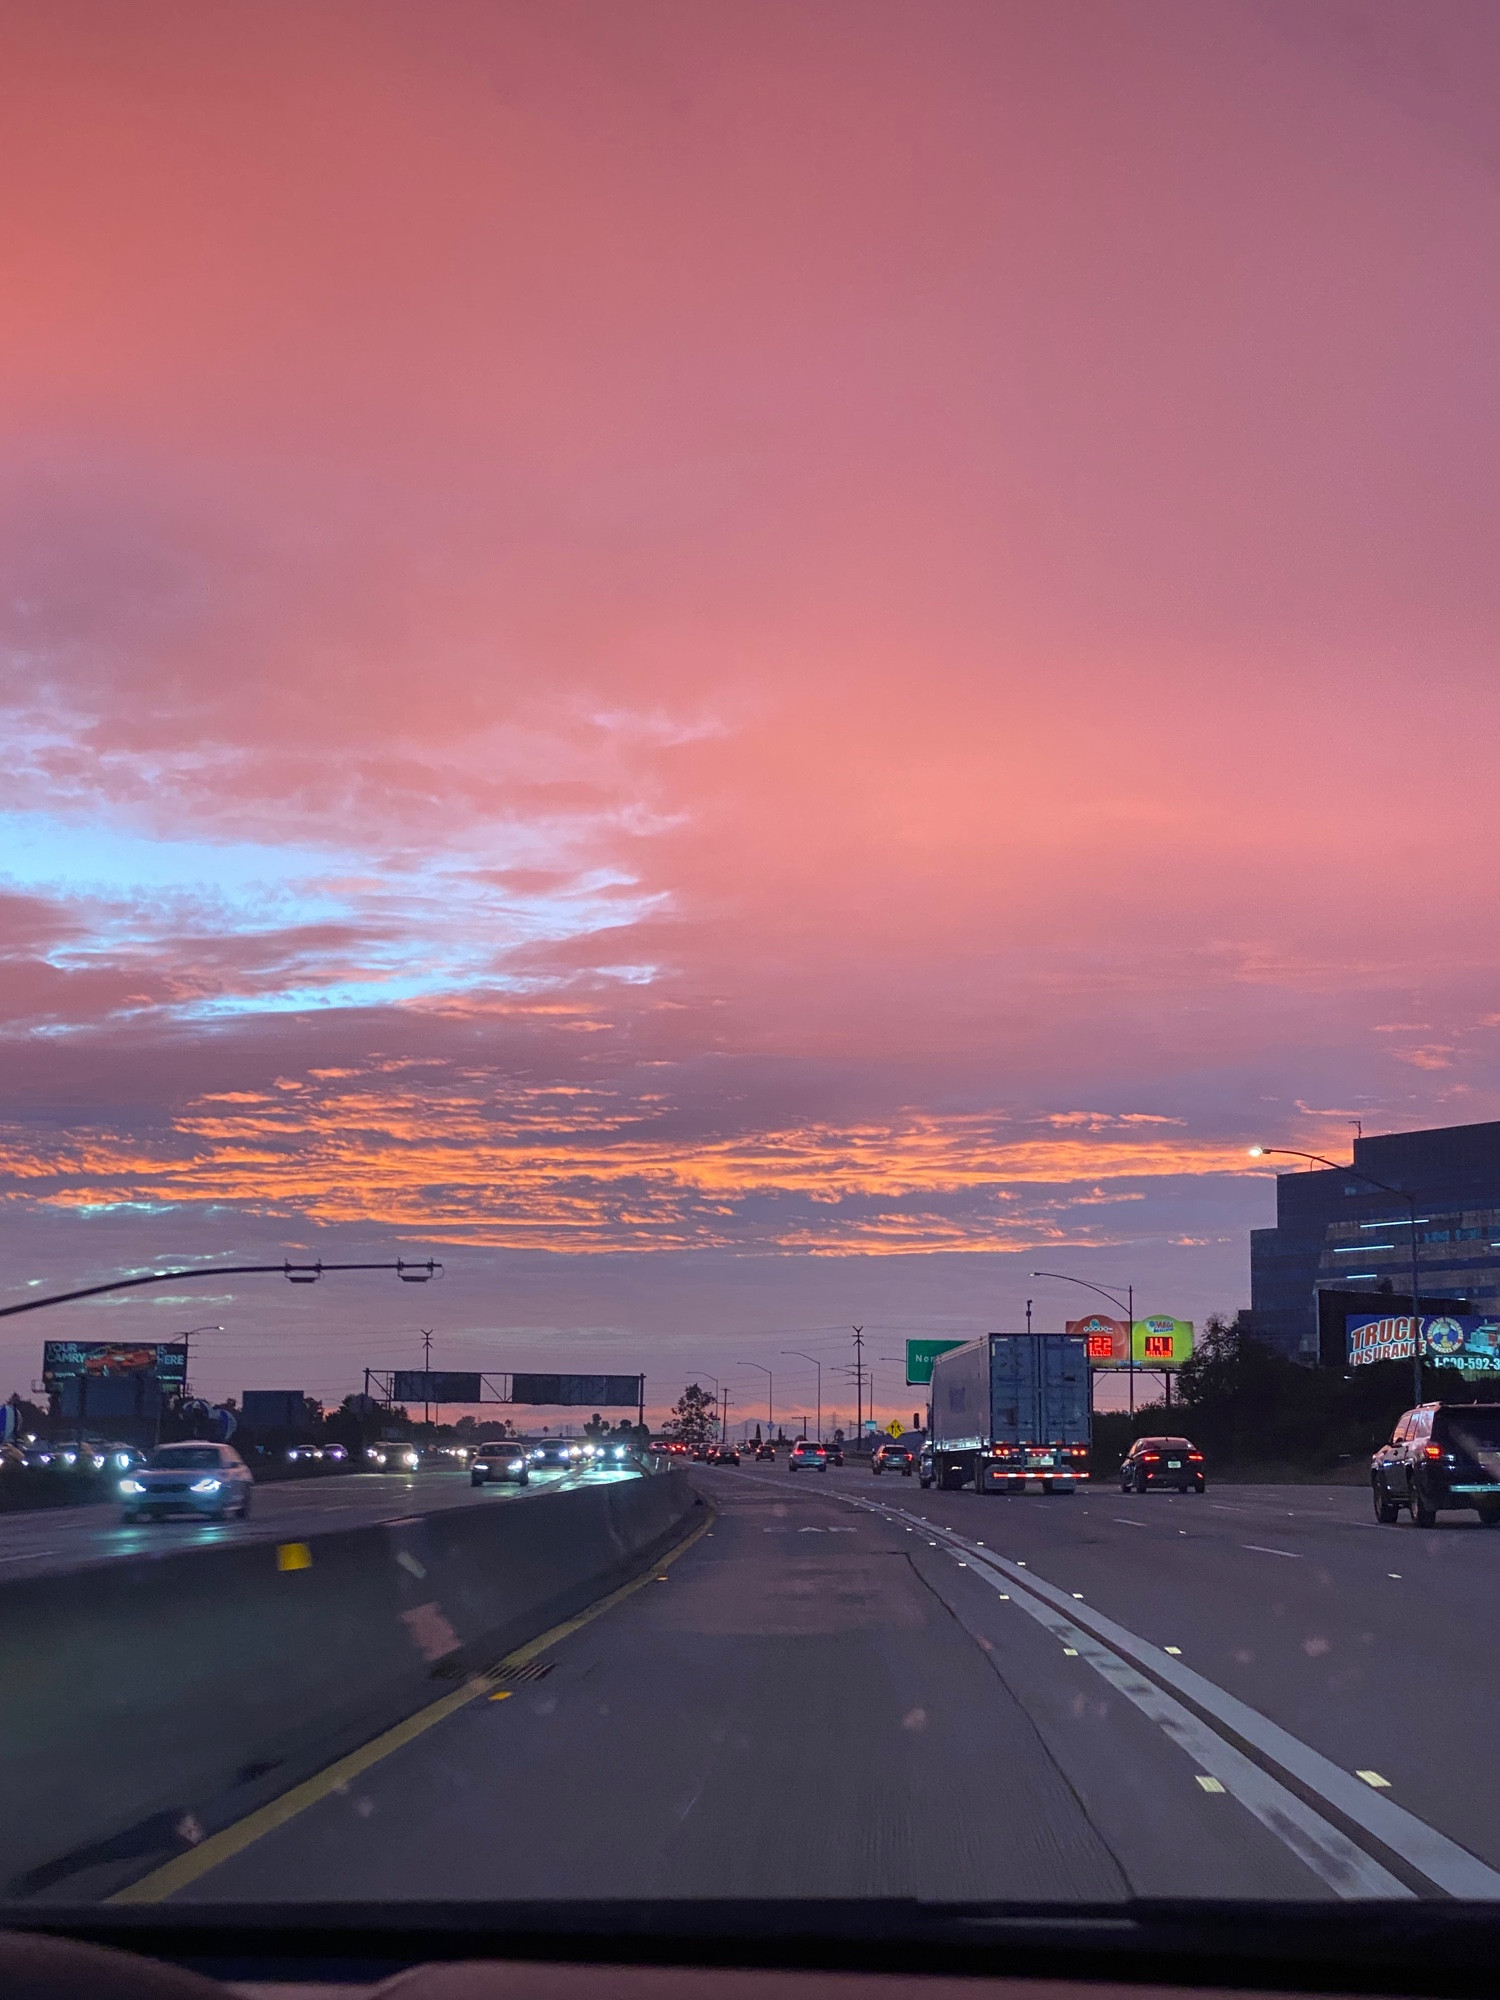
694,1415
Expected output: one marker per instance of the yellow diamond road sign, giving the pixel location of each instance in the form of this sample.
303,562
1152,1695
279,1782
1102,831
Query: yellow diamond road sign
893,1429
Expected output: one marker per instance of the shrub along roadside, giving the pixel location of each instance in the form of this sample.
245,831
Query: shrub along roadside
1251,1412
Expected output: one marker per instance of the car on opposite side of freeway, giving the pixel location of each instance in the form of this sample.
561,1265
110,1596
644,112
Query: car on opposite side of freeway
1163,1461
209,1481
1441,1456
392,1457
557,1455
806,1456
894,1457
500,1461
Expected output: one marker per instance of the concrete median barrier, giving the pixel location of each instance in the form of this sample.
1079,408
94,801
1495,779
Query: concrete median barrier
143,1704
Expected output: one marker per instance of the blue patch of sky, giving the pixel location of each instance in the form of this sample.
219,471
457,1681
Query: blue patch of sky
417,926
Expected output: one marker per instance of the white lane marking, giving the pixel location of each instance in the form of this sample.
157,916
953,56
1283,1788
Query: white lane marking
1331,1855
1126,1522
31,1555
1421,1846
1261,1551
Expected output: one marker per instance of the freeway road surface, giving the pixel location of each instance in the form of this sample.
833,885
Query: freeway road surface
847,1687
69,1538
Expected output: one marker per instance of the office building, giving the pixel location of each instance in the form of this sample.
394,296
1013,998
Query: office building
1337,1233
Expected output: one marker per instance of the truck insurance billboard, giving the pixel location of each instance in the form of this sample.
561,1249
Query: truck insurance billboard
1449,1340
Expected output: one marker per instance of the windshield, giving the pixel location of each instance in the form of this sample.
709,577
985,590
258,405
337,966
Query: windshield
753,735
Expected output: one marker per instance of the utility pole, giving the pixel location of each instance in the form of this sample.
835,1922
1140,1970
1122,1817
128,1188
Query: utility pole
1028,1315
426,1373
859,1383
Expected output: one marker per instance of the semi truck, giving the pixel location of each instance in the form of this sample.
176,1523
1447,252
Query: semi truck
1010,1411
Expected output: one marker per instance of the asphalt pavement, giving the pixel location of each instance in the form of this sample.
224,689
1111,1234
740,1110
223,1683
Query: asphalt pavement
849,1687
50,1539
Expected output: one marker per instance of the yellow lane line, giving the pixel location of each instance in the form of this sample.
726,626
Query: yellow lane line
231,1840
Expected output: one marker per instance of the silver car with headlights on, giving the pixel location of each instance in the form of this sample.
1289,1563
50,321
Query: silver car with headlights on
207,1481
500,1459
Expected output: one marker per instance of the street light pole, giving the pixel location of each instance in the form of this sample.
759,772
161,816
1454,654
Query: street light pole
859,1384
770,1388
1128,1305
819,1366
1292,1153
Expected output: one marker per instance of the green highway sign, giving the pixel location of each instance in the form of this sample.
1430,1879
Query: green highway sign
920,1355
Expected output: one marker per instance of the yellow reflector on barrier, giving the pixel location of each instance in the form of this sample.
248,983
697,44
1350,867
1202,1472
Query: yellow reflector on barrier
293,1555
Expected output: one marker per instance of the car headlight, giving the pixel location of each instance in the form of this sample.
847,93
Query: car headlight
516,1465
122,1459
206,1485
131,1486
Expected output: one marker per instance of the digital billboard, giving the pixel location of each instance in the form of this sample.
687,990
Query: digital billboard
67,1360
1448,1340
1158,1341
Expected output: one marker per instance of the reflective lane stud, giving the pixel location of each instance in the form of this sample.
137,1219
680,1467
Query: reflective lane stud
504,1695
1070,1652
1209,1784
1175,1651
293,1555
1374,1778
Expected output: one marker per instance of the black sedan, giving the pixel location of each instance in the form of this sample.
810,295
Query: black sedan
1162,1461
894,1458
500,1460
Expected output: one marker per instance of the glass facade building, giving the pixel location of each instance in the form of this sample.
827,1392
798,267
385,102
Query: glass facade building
1334,1232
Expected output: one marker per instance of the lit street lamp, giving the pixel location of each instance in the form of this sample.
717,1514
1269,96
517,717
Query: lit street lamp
1291,1153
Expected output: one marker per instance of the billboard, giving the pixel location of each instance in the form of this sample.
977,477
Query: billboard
1156,1342
1448,1340
435,1385
596,1392
920,1355
96,1360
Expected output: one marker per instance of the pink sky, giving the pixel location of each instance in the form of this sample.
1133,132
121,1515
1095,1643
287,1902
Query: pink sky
746,666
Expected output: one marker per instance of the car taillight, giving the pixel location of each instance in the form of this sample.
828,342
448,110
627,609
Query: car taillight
1195,1456
1432,1451
1151,1456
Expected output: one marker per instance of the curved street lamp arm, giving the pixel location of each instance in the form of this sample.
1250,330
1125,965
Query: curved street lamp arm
1063,1278
299,1274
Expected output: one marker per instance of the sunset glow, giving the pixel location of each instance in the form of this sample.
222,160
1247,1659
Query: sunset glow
786,633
